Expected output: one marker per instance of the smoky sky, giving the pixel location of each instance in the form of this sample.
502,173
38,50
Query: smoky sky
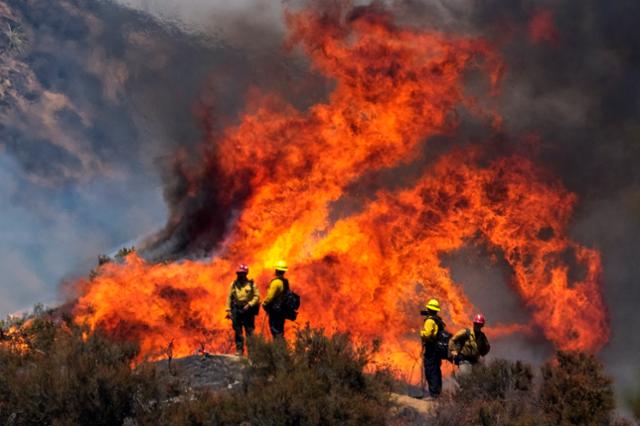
101,114
94,109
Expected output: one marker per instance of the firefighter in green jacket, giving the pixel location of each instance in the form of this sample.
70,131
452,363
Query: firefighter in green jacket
243,304
468,345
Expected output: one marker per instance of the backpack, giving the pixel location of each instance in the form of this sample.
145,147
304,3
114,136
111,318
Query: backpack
481,342
290,302
442,338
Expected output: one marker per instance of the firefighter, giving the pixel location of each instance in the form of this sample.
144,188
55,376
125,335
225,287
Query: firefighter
468,345
243,304
272,304
432,358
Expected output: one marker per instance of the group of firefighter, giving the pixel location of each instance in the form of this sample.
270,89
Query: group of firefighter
464,348
243,304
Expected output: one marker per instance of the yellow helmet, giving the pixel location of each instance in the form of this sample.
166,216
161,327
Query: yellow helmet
433,305
281,265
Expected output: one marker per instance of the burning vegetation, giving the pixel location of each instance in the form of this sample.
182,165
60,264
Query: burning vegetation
267,188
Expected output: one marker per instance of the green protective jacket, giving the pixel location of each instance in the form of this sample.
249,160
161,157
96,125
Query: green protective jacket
469,345
242,293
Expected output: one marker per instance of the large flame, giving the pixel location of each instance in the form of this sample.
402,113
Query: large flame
368,272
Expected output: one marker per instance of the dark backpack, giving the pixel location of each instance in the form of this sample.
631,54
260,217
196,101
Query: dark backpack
442,338
290,302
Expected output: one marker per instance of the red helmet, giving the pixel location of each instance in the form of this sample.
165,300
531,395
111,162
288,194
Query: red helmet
242,269
478,319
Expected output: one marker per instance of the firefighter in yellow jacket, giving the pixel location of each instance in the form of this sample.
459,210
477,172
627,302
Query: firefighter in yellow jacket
243,304
431,356
272,304
468,345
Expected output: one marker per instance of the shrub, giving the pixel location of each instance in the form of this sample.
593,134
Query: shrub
320,381
572,390
499,393
495,381
575,391
65,376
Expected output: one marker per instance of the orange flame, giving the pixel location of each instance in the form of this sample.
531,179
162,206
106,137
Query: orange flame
368,273
16,338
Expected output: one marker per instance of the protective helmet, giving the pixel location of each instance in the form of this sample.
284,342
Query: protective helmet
478,319
281,265
433,305
242,269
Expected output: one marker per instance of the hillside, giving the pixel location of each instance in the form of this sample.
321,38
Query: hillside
53,372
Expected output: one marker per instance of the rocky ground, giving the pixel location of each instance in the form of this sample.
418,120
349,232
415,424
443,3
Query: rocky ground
208,372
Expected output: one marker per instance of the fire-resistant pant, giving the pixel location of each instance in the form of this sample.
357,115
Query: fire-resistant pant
242,320
276,324
432,372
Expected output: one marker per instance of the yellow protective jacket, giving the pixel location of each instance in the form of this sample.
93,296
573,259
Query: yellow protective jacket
429,330
469,345
242,293
275,293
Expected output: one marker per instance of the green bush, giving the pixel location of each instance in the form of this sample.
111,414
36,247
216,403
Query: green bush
572,390
499,393
497,380
575,391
